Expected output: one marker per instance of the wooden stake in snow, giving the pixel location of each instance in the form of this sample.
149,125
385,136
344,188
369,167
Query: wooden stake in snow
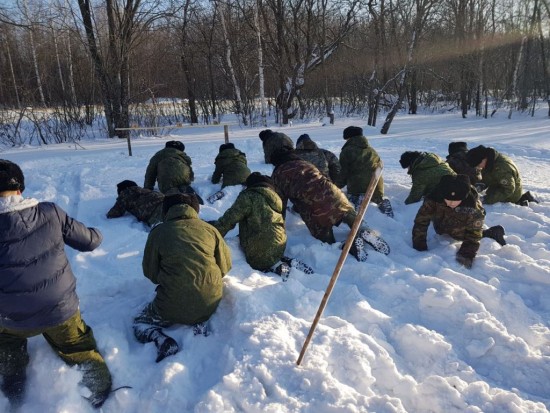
345,250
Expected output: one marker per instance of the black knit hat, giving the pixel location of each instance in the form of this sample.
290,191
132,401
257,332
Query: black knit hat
266,133
121,186
301,138
477,154
454,188
225,146
283,155
175,145
11,176
455,147
256,178
407,158
177,199
352,131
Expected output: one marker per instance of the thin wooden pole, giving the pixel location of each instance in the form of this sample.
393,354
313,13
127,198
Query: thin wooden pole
226,133
129,145
345,250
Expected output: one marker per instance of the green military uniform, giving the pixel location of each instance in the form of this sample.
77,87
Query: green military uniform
232,165
502,179
187,258
259,212
327,163
275,142
358,161
426,171
171,168
463,223
144,204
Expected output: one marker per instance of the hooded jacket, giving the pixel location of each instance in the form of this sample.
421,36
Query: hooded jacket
187,258
463,223
171,168
232,165
426,171
359,161
502,179
259,212
37,285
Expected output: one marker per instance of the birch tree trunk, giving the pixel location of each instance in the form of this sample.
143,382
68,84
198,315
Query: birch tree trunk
34,56
261,78
515,77
12,72
58,61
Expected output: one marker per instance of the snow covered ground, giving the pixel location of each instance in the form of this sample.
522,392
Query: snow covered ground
408,332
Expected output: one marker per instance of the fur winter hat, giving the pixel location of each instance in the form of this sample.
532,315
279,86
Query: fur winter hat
407,158
225,146
256,178
455,147
352,131
176,145
266,133
121,186
302,138
11,176
283,155
454,188
177,199
477,154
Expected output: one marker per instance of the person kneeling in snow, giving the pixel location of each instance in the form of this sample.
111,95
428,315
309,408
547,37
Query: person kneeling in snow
455,209
187,258
259,212
38,288
144,204
231,168
320,203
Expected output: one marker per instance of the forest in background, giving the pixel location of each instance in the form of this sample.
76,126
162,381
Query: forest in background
67,66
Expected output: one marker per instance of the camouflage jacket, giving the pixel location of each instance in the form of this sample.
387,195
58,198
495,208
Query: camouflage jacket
232,165
274,143
318,201
259,212
359,161
327,163
426,171
463,223
502,179
187,258
144,204
458,163
171,168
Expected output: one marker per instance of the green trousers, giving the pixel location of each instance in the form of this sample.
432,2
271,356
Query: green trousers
72,340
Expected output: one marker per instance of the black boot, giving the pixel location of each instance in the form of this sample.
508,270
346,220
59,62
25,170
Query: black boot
281,268
374,241
166,345
496,233
526,198
385,207
299,265
13,387
358,249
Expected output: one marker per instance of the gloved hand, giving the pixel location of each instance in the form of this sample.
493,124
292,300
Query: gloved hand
464,261
480,187
420,245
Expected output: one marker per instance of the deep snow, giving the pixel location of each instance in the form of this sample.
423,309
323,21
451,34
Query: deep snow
408,332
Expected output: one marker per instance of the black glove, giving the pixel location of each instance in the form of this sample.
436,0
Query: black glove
465,261
420,245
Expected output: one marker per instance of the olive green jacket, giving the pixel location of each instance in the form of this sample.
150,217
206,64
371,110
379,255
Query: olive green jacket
171,168
187,258
358,161
426,171
502,179
259,212
232,165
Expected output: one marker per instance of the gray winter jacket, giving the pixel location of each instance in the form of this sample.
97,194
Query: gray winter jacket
37,285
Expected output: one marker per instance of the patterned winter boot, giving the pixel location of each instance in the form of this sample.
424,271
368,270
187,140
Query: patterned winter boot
299,265
281,268
358,249
214,197
201,329
385,207
526,198
497,233
166,345
374,241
